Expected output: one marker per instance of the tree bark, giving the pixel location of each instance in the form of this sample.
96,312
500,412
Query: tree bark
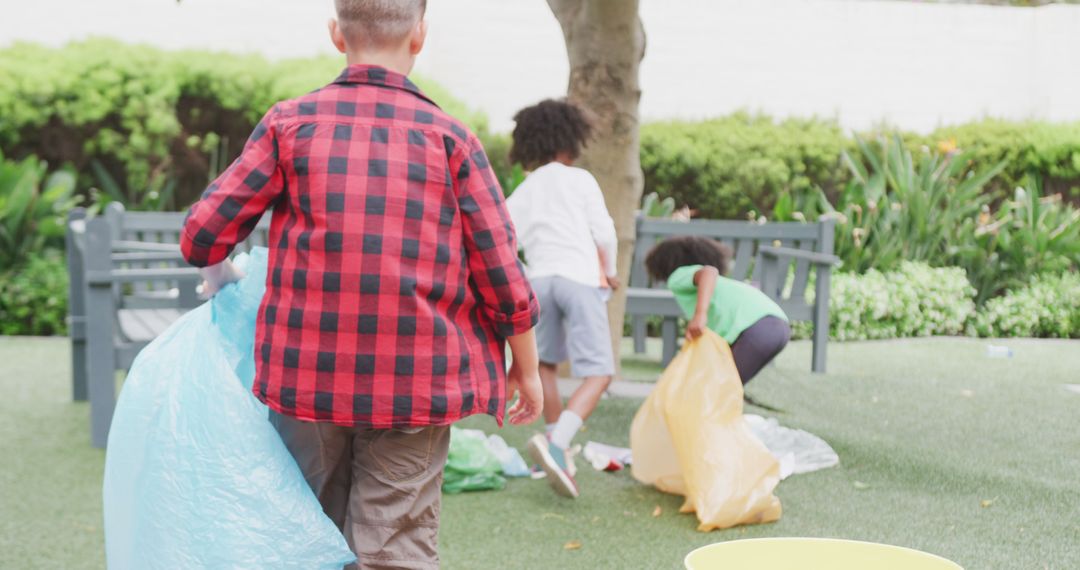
605,43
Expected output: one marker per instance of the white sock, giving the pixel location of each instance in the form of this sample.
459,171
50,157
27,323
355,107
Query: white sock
565,429
548,428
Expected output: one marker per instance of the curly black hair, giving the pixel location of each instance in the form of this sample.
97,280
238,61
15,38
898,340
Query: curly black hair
676,252
546,129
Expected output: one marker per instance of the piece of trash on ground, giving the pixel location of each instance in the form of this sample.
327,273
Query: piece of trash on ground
861,486
797,451
1074,388
620,454
987,503
599,456
998,351
513,465
573,545
471,465
657,511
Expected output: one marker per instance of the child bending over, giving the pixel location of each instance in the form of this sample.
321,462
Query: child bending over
695,268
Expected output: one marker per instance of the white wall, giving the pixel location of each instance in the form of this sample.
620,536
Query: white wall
915,65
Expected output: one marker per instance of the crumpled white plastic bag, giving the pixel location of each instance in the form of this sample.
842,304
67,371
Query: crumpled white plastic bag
195,474
797,451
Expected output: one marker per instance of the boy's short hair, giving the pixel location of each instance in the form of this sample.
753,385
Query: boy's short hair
377,23
546,129
676,252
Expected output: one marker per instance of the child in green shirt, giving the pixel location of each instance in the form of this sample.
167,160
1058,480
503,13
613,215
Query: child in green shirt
694,267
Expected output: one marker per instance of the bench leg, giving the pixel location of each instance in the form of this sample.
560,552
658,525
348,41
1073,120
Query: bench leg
821,321
637,329
670,332
78,369
101,363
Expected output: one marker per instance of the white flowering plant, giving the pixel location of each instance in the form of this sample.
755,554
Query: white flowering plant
1049,306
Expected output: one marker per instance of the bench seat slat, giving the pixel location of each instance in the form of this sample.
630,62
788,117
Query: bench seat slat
144,325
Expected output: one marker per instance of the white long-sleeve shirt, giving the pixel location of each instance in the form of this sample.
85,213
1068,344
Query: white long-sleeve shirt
562,222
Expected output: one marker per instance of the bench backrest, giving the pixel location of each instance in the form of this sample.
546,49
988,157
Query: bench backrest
744,239
145,246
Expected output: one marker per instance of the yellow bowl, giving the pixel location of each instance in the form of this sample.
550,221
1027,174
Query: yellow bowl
811,554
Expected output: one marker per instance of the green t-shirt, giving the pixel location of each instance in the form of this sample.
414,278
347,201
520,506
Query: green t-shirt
735,305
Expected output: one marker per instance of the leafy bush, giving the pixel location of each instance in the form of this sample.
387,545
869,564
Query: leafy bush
727,166
724,167
150,118
1049,306
1049,150
898,207
911,301
1028,235
33,297
32,209
933,208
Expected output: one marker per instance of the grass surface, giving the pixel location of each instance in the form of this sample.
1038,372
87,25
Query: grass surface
942,450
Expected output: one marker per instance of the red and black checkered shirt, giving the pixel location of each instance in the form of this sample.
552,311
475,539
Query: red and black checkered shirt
393,272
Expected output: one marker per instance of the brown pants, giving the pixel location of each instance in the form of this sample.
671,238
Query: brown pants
381,487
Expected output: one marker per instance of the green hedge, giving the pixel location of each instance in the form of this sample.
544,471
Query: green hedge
33,297
150,118
912,301
1049,150
1048,307
917,300
729,166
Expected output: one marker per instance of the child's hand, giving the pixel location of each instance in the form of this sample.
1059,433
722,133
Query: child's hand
217,276
613,283
696,327
530,394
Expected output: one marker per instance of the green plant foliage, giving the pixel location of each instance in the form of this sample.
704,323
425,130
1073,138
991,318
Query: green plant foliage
1049,150
911,301
727,166
933,208
33,296
1029,235
653,207
151,119
899,207
32,209
1049,306
724,167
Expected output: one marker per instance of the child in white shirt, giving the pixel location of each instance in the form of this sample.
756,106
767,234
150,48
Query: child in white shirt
570,249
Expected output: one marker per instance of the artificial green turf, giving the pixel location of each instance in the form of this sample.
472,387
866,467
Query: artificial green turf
928,431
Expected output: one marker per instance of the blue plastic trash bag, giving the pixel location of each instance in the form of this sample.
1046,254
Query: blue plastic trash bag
195,475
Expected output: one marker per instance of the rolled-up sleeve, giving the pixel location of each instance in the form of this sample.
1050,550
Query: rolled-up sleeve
491,246
232,205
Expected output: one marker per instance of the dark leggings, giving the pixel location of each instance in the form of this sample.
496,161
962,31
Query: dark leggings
758,345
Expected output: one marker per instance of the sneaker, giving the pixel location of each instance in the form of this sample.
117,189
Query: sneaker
556,463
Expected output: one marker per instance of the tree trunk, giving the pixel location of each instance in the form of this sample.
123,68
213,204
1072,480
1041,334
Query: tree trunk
605,43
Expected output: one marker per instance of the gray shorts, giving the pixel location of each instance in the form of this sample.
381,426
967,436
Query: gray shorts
573,325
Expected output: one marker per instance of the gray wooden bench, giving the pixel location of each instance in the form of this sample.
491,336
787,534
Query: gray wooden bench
127,283
776,257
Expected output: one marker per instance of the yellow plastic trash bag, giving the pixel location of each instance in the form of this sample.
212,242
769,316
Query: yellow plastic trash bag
689,439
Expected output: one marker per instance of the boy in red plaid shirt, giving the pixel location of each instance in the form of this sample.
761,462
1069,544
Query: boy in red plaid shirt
393,283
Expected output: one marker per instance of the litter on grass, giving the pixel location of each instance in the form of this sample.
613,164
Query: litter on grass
606,457
513,465
797,451
471,465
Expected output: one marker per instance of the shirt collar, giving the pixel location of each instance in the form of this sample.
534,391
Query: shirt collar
361,74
